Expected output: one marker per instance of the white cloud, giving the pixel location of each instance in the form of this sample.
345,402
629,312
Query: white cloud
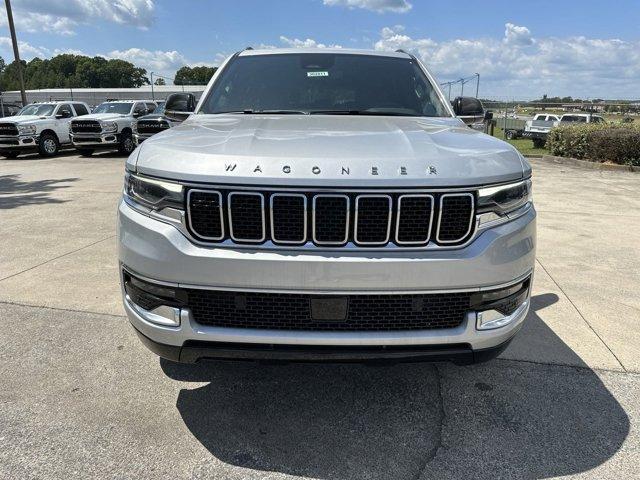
521,66
308,43
380,6
63,16
158,61
27,51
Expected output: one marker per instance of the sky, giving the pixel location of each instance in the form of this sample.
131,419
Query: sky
521,49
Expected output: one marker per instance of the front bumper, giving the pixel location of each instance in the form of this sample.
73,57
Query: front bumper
18,142
95,140
159,253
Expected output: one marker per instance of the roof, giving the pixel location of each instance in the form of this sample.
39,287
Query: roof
55,102
130,101
338,51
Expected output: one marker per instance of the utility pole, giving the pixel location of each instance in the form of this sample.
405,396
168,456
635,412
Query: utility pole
16,53
477,84
153,96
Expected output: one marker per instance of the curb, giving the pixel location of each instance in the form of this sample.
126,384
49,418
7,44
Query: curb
587,164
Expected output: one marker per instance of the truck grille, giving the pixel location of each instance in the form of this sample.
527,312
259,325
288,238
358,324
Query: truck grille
8,129
151,127
331,219
85,126
276,311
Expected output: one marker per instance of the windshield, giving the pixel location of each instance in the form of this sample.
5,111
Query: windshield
322,83
37,109
112,107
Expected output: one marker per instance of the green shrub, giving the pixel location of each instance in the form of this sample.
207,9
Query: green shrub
615,143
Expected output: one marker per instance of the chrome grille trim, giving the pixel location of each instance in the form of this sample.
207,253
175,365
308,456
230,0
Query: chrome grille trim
273,235
472,216
229,202
313,218
355,221
399,209
214,192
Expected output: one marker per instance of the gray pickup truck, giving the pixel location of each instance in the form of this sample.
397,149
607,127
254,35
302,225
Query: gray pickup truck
326,205
538,129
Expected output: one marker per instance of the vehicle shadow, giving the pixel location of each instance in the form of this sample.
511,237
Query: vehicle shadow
18,193
508,419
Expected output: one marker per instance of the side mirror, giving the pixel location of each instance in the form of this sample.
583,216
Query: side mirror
468,109
179,106
488,115
59,115
136,114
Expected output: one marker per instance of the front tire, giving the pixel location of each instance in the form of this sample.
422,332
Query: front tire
127,145
85,152
511,134
48,146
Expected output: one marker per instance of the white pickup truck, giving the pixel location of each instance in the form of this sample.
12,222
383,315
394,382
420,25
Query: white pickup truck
41,127
109,126
538,129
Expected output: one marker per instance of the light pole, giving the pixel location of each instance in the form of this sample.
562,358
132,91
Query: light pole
16,53
153,97
477,84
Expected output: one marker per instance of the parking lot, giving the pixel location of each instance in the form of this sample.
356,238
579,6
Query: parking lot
81,397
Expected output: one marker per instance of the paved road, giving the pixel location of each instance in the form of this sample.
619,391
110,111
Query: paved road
81,398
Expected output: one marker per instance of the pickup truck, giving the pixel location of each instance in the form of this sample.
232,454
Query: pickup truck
160,120
538,129
326,205
39,127
109,126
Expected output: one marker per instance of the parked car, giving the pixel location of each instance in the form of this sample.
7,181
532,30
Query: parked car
326,205
145,127
109,126
9,109
538,129
41,127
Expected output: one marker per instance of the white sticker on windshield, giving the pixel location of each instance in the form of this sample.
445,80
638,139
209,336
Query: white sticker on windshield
317,74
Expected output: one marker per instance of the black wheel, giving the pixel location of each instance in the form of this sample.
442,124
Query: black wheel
48,146
511,134
10,154
539,143
85,152
127,145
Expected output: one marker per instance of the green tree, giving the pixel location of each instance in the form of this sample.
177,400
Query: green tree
194,75
159,81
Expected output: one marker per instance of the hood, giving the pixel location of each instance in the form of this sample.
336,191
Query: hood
105,117
333,150
23,119
152,116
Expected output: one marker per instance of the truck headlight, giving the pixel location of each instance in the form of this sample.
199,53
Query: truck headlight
109,127
26,129
153,194
504,202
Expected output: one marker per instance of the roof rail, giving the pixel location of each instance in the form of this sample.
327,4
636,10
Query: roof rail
411,55
249,48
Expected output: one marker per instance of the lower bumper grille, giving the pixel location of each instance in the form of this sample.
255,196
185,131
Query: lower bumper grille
276,311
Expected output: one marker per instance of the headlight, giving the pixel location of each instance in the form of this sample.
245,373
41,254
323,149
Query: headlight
109,127
26,129
504,202
153,194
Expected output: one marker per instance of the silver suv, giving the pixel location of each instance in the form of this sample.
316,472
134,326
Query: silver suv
326,205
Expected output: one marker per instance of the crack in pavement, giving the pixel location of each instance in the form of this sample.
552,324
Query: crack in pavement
441,420
56,258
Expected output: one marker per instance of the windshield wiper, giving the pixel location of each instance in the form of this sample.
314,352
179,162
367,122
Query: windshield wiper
277,112
362,112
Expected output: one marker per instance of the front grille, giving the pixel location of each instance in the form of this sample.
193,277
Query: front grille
85,126
151,127
331,219
278,311
8,129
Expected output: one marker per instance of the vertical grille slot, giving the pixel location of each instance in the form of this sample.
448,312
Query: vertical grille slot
246,217
289,218
373,219
205,214
330,219
414,219
456,217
